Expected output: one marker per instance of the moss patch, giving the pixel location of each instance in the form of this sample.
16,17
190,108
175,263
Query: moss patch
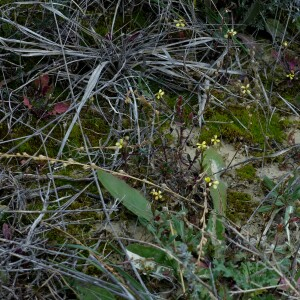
247,172
240,206
236,123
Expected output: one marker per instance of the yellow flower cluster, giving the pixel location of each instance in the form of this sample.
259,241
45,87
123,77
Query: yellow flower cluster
246,89
291,75
120,143
230,33
157,195
159,94
211,183
202,146
179,23
215,140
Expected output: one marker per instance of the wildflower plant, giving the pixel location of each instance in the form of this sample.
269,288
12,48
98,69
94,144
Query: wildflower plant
211,183
291,75
202,146
230,34
215,140
120,143
159,94
157,194
113,97
179,23
245,89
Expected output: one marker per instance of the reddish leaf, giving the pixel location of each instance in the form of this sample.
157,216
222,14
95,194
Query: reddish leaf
23,162
42,81
274,54
291,138
6,230
108,36
182,35
285,286
42,84
135,35
45,90
27,102
59,108
294,219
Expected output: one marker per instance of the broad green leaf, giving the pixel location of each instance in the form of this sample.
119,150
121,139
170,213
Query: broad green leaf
296,194
129,197
157,259
179,227
213,162
265,208
158,255
270,184
213,165
219,196
85,291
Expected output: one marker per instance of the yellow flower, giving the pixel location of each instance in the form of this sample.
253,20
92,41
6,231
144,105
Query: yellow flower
214,184
202,146
245,89
159,94
215,140
291,75
120,143
207,179
230,33
157,195
285,44
179,23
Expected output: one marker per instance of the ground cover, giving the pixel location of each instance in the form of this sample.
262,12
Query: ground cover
149,150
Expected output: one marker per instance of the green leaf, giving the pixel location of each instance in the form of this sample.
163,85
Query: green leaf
252,13
133,283
129,197
156,260
265,208
296,194
85,291
179,228
275,28
158,255
213,162
219,196
213,165
269,183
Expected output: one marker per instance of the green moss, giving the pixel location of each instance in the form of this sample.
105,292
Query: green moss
94,128
247,172
240,206
80,222
55,236
234,123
